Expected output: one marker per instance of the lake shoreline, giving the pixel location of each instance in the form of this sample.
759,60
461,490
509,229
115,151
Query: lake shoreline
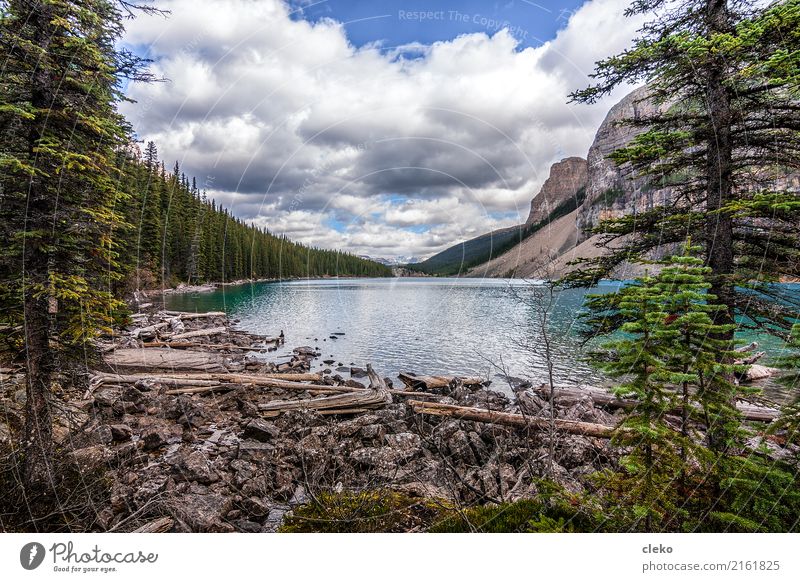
193,431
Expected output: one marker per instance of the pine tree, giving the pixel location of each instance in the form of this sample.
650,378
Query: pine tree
653,462
789,421
700,352
725,76
61,134
667,347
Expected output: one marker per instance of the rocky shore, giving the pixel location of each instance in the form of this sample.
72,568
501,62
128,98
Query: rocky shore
196,431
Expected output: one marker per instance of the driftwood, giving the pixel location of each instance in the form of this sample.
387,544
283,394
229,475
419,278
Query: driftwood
167,359
751,359
199,333
416,381
376,396
203,383
568,395
160,525
150,330
748,348
186,345
509,419
186,315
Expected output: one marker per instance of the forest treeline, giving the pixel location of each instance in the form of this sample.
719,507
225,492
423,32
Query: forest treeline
171,232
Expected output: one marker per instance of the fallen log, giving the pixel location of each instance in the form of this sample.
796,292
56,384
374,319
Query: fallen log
199,333
509,419
213,381
416,381
751,359
220,387
165,358
568,395
185,345
185,315
376,396
748,348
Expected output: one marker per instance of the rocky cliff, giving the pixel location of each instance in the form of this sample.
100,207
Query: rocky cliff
566,180
601,188
613,190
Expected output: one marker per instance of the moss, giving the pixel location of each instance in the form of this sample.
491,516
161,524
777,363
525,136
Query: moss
372,511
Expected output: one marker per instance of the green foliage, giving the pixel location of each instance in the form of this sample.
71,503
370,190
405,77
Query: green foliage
60,84
554,510
177,233
670,355
721,138
755,495
376,510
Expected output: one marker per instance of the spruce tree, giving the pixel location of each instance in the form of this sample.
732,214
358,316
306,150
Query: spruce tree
724,75
59,89
789,421
639,357
700,352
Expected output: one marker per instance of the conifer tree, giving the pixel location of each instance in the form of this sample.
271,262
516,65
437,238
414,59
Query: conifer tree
724,75
699,353
653,462
59,88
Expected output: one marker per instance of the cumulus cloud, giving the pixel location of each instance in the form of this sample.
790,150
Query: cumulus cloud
381,150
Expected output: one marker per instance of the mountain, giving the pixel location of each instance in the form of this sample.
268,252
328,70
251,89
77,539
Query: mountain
497,253
392,261
458,258
601,189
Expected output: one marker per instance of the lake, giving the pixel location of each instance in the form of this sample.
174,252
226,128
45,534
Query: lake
484,327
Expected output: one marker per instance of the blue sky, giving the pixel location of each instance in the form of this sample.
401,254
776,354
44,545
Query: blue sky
400,22
306,119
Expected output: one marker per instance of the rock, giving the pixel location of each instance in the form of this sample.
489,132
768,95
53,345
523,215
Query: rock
405,444
255,451
275,518
255,507
357,372
120,432
261,430
372,432
567,178
203,512
91,458
194,466
611,189
246,526
158,436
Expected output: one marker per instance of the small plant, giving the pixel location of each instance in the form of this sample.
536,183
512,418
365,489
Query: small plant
372,511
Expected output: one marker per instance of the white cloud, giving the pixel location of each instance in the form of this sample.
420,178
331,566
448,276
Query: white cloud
297,129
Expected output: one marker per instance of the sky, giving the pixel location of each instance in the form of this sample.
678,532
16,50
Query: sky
389,128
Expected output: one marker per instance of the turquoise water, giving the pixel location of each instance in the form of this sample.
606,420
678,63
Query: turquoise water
424,325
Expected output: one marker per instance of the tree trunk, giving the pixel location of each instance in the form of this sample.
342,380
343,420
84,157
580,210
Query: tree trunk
38,443
719,227
510,419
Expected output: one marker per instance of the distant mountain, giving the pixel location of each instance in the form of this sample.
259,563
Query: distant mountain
560,195
391,262
461,257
